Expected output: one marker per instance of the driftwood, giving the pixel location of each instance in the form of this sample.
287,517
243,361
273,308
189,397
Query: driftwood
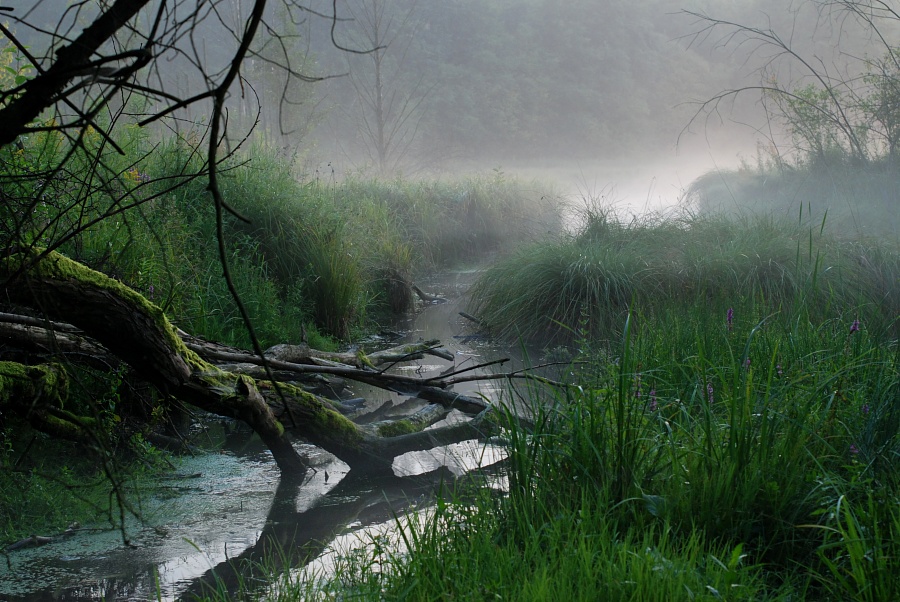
426,297
33,541
472,318
114,319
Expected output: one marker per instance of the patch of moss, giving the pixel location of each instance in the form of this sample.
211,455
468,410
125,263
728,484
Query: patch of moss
45,380
59,267
364,359
397,428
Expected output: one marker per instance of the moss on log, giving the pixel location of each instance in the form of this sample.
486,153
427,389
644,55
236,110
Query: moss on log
139,333
38,394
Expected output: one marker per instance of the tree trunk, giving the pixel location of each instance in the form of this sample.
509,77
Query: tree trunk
138,333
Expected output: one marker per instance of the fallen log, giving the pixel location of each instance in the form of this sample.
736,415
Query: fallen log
426,297
138,333
33,541
303,354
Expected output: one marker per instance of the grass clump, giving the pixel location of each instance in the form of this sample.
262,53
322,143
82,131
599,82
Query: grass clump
308,255
589,281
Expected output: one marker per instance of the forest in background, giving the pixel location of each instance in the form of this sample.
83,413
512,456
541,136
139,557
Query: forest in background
471,84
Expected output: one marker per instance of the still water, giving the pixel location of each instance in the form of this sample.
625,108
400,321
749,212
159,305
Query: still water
221,507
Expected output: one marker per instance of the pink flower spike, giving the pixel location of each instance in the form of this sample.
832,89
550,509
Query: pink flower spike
854,327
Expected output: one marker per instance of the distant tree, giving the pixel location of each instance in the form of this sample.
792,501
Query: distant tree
831,112
389,97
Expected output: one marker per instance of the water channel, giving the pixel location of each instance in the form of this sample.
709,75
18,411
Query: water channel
224,506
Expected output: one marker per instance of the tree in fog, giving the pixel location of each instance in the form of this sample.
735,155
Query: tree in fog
389,100
848,111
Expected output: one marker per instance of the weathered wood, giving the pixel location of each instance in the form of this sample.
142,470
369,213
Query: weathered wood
426,297
138,332
303,354
41,540
472,318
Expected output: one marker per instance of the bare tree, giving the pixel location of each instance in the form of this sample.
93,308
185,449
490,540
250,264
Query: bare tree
847,109
101,66
390,101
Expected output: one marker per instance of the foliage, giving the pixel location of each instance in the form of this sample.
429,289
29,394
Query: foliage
14,69
847,121
588,282
703,455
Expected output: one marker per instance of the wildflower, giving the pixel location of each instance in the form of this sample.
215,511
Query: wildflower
151,290
709,392
853,449
747,363
730,317
854,327
652,399
778,370
865,409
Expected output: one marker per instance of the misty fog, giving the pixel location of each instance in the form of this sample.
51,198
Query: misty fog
603,98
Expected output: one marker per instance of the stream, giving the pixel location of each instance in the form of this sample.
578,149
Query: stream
224,506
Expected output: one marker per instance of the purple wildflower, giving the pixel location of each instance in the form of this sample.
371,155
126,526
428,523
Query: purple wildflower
652,399
747,363
865,409
730,317
853,449
778,370
854,327
709,393
152,291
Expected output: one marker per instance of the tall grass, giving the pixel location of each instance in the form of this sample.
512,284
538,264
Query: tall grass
588,281
736,436
678,470
308,253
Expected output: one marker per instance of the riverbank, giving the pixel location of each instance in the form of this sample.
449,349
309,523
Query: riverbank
733,435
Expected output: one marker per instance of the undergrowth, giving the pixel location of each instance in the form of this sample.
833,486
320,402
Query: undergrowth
702,457
735,437
589,281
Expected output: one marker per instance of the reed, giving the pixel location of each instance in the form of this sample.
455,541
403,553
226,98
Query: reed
590,280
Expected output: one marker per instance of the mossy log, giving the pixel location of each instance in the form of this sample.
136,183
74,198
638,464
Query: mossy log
38,394
138,332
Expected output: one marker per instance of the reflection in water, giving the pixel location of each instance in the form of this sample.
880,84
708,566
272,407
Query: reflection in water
213,532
